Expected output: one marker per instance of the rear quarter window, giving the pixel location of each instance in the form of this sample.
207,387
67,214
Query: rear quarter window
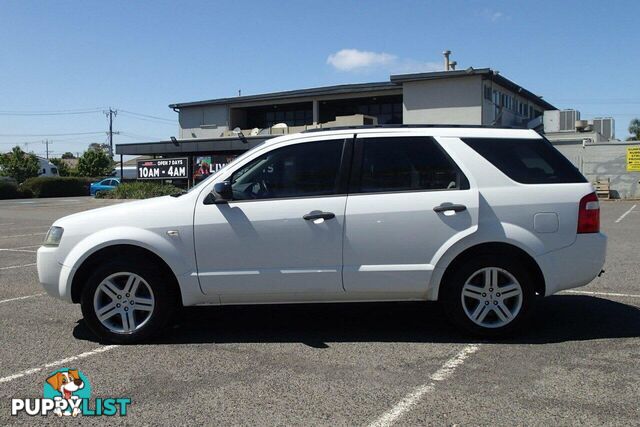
527,161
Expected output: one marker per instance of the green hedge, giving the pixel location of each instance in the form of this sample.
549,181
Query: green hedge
139,190
45,186
9,190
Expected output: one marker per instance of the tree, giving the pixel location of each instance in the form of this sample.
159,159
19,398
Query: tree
68,155
95,163
634,129
63,168
94,146
19,165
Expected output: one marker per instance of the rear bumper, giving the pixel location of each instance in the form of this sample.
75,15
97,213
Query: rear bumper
575,265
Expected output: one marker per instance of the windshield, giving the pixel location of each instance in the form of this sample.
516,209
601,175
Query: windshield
220,171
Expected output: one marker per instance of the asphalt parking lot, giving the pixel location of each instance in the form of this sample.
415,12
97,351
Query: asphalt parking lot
349,364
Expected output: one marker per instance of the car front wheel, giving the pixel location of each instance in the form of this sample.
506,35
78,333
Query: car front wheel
490,296
124,303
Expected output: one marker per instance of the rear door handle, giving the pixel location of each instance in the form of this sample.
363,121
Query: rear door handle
312,216
450,207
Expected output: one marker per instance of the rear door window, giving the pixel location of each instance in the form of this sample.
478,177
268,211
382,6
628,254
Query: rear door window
527,161
389,164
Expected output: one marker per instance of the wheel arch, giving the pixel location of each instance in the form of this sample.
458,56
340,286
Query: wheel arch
126,251
498,248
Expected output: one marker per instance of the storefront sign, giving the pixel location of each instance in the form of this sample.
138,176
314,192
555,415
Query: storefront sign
163,169
633,158
204,166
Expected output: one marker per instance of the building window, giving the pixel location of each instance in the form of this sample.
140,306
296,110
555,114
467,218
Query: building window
298,114
387,109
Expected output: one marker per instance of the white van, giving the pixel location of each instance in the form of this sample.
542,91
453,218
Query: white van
47,168
483,220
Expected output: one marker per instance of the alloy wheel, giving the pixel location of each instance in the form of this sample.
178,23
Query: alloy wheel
123,302
491,297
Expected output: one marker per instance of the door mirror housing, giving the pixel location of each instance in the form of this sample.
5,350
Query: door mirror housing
222,192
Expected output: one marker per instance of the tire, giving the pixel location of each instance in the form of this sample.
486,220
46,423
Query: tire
149,305
498,310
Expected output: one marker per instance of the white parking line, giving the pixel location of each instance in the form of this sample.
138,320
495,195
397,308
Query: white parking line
16,250
604,294
21,298
24,235
410,400
57,363
17,266
7,223
625,214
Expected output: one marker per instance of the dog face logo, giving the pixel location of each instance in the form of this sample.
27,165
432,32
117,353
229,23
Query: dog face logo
66,382
69,385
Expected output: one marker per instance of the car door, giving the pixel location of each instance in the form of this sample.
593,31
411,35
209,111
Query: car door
280,238
407,200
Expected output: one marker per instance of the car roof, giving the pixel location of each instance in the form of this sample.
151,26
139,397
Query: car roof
459,131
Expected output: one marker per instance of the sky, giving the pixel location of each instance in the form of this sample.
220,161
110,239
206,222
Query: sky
62,63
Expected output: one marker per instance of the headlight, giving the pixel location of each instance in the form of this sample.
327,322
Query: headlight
53,236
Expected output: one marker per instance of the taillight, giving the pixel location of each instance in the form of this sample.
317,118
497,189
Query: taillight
589,214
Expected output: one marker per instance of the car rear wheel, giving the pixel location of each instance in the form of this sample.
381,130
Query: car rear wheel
490,296
126,303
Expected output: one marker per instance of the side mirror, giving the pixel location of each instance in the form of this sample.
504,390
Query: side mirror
222,192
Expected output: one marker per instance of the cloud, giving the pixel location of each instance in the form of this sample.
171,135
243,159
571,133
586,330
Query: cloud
495,15
354,60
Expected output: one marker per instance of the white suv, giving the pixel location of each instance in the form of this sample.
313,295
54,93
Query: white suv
481,219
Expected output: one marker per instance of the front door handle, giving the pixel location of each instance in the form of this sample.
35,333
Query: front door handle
312,216
450,207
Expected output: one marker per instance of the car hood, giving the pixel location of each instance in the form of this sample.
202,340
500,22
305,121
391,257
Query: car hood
149,213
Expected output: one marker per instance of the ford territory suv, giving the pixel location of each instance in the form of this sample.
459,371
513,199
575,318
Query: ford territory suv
483,220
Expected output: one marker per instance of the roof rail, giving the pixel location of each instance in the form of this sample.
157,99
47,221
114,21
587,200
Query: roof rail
407,127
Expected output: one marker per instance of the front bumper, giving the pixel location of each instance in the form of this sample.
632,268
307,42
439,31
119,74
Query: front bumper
52,274
575,265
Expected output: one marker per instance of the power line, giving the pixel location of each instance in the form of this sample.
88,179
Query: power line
136,136
50,113
49,134
147,116
154,121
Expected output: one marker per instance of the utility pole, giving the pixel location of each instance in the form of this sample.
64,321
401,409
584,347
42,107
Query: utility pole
46,144
111,114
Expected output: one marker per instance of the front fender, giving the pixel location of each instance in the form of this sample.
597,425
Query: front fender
173,251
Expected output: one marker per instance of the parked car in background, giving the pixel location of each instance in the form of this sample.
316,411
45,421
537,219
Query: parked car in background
483,220
106,184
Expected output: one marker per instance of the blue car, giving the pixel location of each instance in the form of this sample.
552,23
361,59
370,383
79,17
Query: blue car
104,185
